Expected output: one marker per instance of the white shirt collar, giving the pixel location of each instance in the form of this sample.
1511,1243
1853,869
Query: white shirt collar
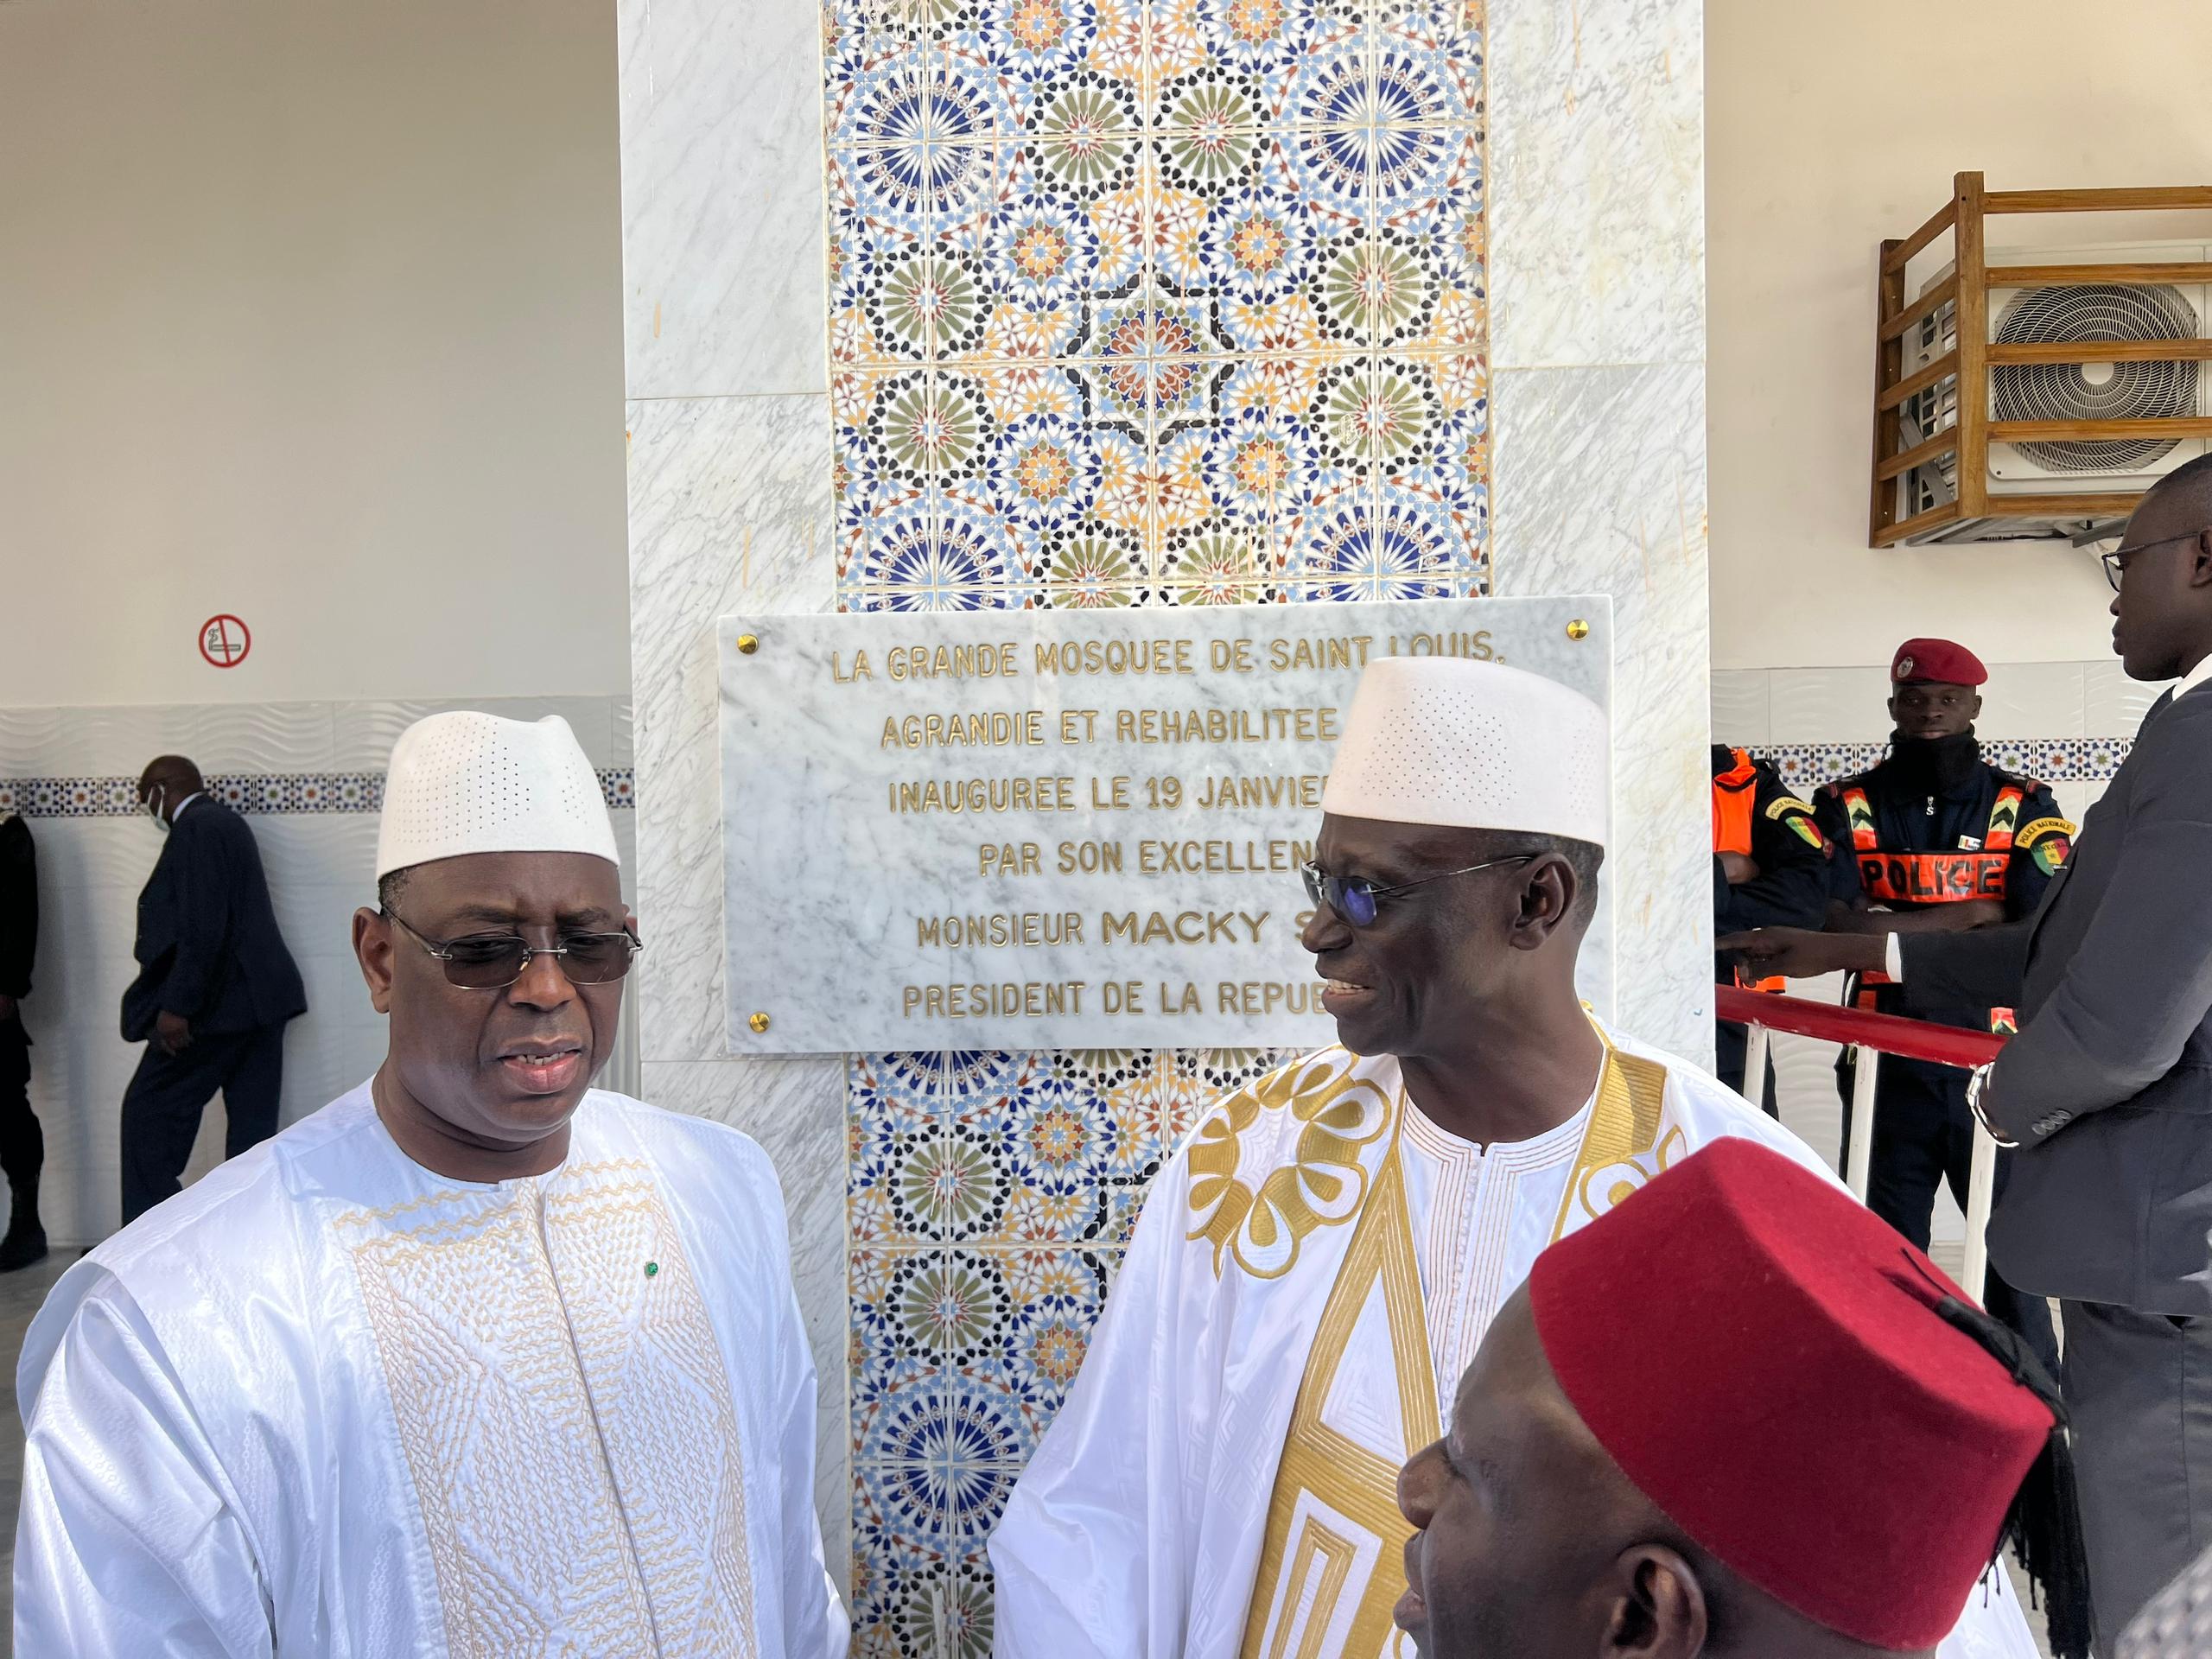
196,794
2195,677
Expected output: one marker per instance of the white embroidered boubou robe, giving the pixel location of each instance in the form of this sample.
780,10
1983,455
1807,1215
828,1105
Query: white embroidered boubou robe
328,1402
1313,1273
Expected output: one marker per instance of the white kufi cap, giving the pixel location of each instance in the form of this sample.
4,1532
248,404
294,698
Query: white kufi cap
469,783
1475,746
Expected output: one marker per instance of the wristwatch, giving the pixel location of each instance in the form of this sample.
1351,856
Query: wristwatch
1974,1087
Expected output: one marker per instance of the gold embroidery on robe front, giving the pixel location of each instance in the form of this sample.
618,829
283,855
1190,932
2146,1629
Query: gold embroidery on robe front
1261,1216
1331,1569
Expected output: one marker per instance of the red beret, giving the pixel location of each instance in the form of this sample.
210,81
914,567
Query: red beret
1761,1357
1946,662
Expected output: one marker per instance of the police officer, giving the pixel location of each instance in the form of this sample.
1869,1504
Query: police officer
1935,839
1770,869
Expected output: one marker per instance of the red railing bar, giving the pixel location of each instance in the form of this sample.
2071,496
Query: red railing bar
1916,1039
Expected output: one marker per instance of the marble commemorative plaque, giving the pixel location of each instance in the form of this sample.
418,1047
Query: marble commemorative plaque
1060,828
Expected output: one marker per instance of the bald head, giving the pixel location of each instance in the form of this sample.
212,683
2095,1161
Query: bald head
168,780
2161,616
1531,1542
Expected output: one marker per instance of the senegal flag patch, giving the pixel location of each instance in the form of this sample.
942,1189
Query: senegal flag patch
1788,809
2051,840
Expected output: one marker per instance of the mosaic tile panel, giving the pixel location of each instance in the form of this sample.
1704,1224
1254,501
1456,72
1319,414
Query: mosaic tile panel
1156,301
279,791
1131,302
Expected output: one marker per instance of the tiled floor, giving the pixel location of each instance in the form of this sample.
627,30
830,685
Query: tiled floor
19,1296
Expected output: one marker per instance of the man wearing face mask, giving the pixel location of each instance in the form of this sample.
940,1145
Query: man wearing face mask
215,988
1936,840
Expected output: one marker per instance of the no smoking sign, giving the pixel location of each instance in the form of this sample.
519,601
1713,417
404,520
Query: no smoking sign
225,640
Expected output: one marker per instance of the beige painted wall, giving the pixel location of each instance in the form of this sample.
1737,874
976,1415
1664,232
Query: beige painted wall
1829,129
310,312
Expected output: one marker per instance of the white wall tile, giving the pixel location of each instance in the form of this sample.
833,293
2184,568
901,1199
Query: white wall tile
363,733
2116,703
1743,711
310,848
94,852
2026,700
257,737
1831,705
622,748
118,741
33,743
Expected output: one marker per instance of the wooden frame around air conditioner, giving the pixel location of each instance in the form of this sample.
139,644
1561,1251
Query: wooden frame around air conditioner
1972,277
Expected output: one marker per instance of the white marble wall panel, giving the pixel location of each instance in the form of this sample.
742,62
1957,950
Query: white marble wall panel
796,1110
722,250
1596,180
729,509
1600,487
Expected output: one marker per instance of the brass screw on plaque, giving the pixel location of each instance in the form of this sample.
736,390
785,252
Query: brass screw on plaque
1578,629
759,1022
747,644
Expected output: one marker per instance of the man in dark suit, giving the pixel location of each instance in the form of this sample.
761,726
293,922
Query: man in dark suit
23,1148
215,986
2107,1089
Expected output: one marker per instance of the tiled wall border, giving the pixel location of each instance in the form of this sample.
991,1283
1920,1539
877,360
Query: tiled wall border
2050,761
277,791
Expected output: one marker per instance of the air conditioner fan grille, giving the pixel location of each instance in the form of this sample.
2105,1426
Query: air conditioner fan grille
2069,392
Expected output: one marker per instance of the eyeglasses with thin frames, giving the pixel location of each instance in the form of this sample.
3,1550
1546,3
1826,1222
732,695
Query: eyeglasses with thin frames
491,962
2115,561
1353,899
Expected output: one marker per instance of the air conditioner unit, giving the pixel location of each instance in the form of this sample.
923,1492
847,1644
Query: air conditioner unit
2062,392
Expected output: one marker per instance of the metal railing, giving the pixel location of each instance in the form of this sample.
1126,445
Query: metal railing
1874,1035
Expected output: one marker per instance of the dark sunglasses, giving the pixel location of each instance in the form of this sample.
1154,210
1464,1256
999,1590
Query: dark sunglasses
1353,899
491,962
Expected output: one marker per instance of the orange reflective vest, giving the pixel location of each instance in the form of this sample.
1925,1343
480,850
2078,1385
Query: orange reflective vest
1734,793
1944,878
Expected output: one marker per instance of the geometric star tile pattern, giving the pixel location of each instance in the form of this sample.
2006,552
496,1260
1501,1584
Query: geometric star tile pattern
1131,302
1170,301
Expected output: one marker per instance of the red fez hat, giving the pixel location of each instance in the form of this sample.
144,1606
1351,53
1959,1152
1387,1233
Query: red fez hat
1762,1357
1946,662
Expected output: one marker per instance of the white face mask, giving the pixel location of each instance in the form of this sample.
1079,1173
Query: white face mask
155,798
